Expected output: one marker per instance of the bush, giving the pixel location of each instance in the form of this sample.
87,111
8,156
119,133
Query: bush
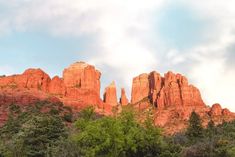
68,117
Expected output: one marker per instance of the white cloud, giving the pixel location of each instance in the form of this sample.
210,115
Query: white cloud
126,42
121,28
216,83
210,71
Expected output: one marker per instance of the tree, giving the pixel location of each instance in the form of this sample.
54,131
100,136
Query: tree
31,133
195,130
40,133
210,131
65,148
121,136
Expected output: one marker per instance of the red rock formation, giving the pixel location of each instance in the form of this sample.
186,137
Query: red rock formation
79,87
82,76
36,78
31,79
177,92
123,100
226,112
174,100
24,97
216,110
57,86
140,88
170,98
155,84
82,85
171,90
110,95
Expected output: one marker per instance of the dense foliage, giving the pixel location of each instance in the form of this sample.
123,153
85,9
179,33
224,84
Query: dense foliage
214,141
33,131
50,130
121,136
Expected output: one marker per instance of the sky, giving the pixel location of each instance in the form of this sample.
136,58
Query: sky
124,38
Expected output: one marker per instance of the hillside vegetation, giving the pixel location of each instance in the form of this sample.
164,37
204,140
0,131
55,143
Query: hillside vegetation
51,130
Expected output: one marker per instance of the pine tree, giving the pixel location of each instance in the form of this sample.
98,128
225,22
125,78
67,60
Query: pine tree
211,129
195,129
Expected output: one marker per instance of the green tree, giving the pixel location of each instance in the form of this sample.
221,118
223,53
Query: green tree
31,132
119,136
40,133
66,148
195,130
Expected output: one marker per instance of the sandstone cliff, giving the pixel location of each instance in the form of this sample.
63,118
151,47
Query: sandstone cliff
123,100
110,95
170,98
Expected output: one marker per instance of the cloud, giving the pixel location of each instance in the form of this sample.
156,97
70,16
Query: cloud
120,29
130,37
123,37
230,56
208,64
215,81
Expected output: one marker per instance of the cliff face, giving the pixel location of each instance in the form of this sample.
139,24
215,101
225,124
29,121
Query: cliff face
79,87
170,98
82,85
31,79
83,76
123,100
170,90
110,95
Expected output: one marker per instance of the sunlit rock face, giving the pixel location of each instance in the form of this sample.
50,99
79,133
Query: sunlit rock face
82,84
140,88
170,98
83,76
110,95
79,87
170,90
123,100
31,79
216,110
57,86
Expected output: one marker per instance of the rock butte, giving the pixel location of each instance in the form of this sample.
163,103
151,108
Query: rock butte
110,95
170,99
123,100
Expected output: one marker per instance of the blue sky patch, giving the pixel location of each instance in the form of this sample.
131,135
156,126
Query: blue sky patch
180,27
38,49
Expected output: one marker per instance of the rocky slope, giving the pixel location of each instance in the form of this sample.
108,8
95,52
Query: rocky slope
170,98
